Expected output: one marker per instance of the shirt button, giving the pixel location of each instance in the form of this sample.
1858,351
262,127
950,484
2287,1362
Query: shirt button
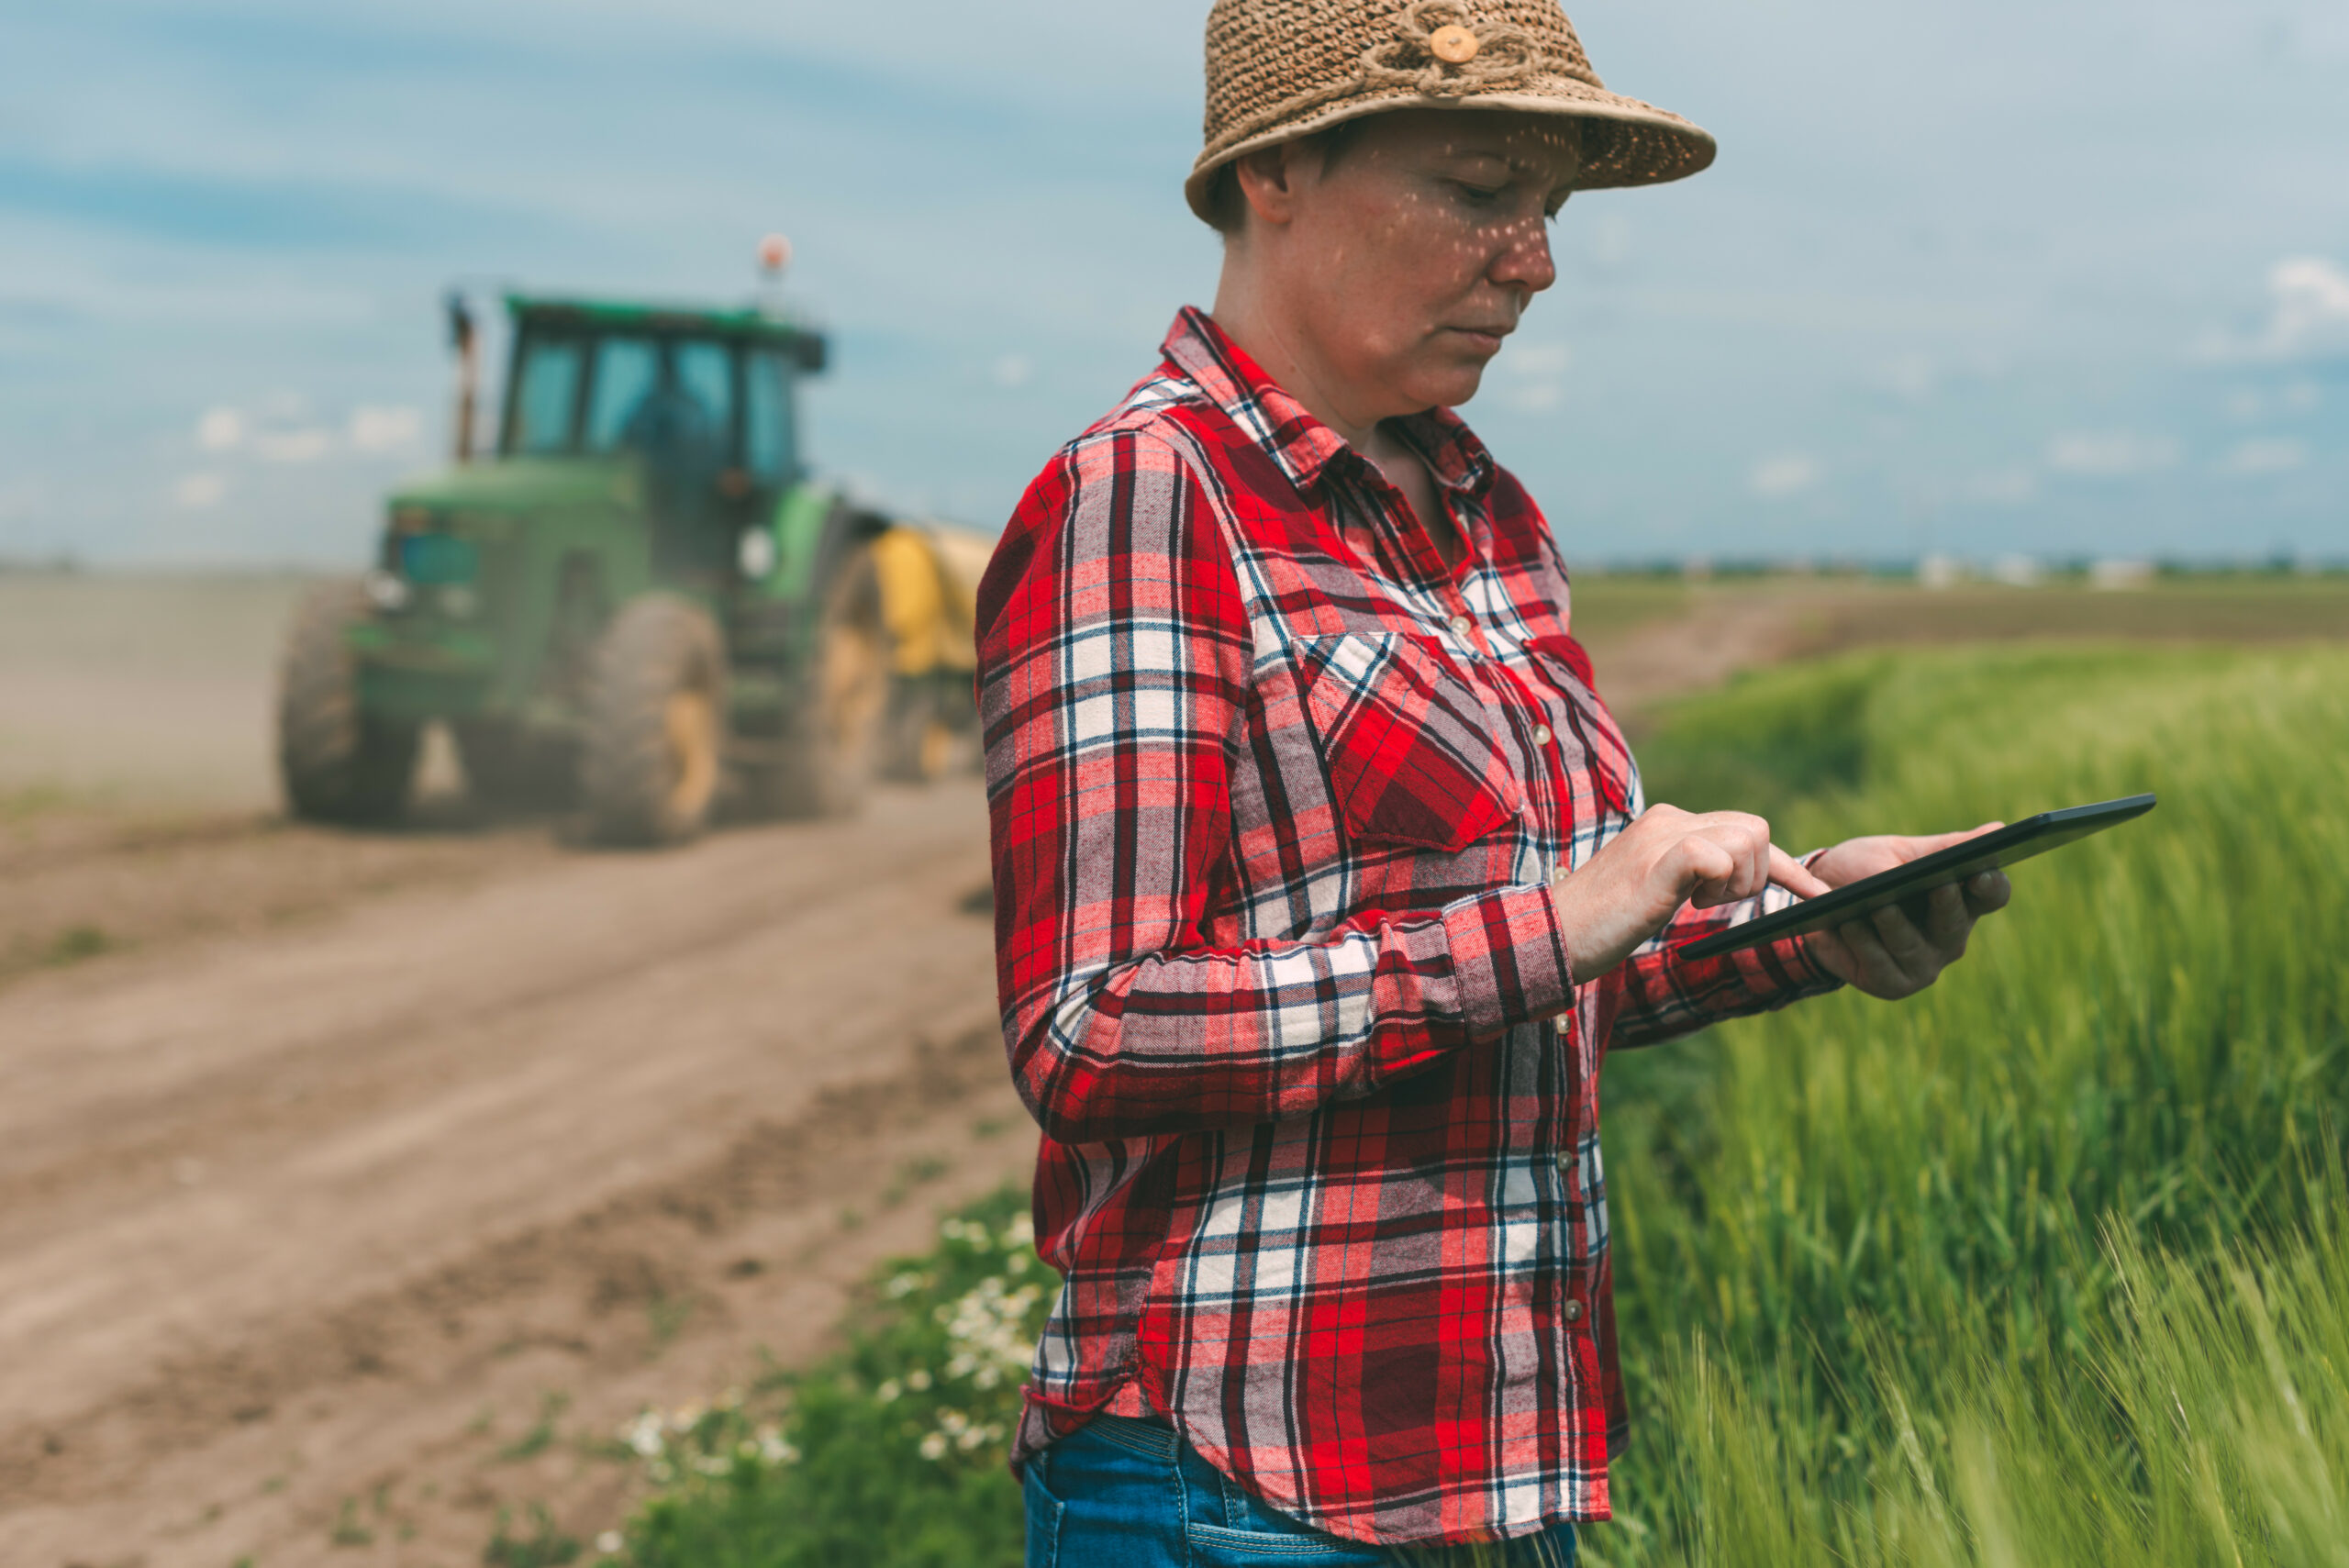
1460,628
1560,874
1565,1162
1540,735
1574,1311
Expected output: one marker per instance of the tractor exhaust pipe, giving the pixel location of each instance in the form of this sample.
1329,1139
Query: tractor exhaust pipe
467,343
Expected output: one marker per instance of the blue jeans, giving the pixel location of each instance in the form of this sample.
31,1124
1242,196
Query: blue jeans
1120,1494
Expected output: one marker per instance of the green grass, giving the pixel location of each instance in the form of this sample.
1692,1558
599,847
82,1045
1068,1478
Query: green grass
892,1451
2046,1267
1915,1284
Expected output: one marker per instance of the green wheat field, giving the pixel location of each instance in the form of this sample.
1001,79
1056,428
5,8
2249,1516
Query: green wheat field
2047,1266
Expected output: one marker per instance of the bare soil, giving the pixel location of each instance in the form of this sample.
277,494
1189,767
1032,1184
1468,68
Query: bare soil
354,1188
303,1226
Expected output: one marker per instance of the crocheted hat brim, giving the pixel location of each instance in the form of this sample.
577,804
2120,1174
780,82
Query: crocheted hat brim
1625,142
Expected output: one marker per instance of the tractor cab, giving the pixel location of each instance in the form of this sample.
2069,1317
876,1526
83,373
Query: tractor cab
701,401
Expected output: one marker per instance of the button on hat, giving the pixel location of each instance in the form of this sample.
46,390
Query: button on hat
1454,44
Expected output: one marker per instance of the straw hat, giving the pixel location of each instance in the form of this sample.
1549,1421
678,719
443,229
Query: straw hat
1282,69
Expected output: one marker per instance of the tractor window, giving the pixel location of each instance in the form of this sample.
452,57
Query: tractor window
546,396
627,370
766,418
705,374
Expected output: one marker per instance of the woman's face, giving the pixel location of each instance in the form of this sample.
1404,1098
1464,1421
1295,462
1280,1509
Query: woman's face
1402,261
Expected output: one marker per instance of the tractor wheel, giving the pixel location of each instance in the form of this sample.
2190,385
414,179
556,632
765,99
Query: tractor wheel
656,723
340,763
920,743
507,769
834,742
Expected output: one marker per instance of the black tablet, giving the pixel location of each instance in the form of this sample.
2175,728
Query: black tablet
2000,847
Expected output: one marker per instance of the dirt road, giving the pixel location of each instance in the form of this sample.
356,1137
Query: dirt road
302,1229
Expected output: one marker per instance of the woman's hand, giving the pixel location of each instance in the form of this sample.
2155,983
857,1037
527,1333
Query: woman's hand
1632,889
1886,954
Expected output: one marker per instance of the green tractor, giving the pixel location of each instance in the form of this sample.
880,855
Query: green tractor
639,603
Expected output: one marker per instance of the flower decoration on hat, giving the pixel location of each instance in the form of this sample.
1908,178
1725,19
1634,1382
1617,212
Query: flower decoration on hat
1441,50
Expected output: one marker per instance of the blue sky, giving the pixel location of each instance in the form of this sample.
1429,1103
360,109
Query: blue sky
2069,277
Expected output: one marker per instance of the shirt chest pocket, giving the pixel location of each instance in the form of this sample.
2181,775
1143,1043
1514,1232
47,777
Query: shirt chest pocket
1405,741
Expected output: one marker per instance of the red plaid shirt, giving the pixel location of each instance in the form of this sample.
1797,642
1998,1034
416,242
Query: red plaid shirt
1276,799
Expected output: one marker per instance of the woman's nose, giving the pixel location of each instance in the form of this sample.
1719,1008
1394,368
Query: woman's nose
1524,261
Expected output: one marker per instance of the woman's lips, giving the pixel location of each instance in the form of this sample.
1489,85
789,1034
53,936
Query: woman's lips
1485,338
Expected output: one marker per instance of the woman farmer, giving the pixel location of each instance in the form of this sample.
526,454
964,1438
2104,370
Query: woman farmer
1323,879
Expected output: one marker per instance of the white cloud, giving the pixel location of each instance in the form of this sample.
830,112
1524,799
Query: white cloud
280,429
375,428
2308,317
2110,454
2264,455
1533,376
2308,301
301,443
197,492
221,429
1910,378
1780,477
1609,244
2003,487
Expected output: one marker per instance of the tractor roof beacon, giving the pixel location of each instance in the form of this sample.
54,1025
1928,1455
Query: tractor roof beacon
639,601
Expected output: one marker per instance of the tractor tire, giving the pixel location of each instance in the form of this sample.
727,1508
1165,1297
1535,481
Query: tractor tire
507,769
339,764
834,742
921,742
655,744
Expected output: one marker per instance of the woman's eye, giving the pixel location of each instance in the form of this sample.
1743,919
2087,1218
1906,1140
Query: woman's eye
1478,195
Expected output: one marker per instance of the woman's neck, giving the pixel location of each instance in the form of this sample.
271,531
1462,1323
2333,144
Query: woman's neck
1296,369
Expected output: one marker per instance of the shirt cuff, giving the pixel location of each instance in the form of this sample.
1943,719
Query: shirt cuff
1509,957
1783,968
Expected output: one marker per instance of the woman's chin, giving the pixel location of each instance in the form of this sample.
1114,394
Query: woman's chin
1449,386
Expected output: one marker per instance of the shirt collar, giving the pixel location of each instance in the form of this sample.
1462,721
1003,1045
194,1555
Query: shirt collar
1303,446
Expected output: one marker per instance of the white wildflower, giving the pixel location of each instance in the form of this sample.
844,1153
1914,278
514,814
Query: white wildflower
919,1379
888,1393
987,1327
643,1435
609,1542
934,1446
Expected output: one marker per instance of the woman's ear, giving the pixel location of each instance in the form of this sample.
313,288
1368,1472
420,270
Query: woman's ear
1268,179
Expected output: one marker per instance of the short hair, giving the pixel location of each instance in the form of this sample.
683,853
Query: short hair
1228,209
